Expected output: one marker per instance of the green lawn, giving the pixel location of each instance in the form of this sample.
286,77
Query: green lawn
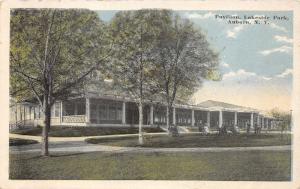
244,166
65,131
197,140
19,141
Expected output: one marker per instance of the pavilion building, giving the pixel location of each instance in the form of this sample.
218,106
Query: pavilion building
93,109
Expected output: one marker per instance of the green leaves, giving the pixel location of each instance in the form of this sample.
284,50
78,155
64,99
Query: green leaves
134,37
56,47
149,51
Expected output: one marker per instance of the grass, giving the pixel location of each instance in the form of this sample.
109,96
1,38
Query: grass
222,166
57,131
19,141
197,140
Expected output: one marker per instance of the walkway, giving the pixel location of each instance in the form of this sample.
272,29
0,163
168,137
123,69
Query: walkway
78,144
81,146
69,139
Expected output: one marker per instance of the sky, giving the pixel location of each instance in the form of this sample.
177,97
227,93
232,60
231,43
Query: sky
256,60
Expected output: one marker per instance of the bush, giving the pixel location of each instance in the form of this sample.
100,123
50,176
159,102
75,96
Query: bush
19,141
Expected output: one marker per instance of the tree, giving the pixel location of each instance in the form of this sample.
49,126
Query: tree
282,117
184,60
134,35
52,51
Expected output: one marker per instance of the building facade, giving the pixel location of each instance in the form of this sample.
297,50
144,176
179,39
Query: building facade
107,111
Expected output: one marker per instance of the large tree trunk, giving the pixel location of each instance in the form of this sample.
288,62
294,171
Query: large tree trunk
172,130
47,121
140,122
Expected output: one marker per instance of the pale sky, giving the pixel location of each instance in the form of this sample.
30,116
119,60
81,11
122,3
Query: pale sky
255,60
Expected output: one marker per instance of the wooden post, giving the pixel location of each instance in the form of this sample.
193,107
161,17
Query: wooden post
220,118
193,118
252,120
87,111
124,113
151,115
208,119
235,118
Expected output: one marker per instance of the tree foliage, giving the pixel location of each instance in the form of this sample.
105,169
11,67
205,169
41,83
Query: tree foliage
283,117
52,51
134,35
184,59
153,52
63,44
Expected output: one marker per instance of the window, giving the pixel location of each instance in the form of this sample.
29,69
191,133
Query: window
57,109
27,112
93,113
119,113
80,108
112,112
52,111
36,112
102,112
69,108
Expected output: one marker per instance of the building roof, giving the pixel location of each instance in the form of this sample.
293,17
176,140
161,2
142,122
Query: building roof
211,104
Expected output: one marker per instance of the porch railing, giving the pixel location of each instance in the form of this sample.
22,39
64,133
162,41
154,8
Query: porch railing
74,119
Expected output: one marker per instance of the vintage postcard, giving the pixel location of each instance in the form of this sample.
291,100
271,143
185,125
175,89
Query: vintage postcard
126,94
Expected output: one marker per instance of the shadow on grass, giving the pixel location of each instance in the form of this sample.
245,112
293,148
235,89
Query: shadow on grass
39,156
185,141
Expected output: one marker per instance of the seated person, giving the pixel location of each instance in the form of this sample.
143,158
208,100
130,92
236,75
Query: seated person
206,129
236,129
200,126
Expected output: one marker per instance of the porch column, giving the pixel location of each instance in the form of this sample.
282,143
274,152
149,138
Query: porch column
87,111
24,114
208,119
220,118
272,123
21,113
193,118
235,118
174,116
251,120
124,113
151,114
29,112
257,119
61,112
